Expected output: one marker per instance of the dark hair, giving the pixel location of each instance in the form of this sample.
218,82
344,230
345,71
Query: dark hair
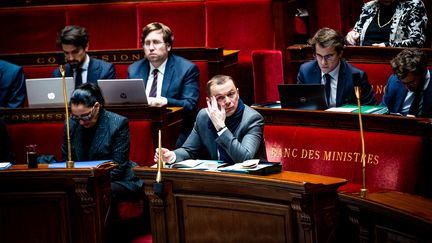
87,94
409,61
217,80
166,31
327,37
73,35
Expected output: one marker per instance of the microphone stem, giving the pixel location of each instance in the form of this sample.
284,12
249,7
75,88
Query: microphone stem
159,163
363,190
69,162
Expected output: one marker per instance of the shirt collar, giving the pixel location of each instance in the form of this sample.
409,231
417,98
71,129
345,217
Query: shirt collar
86,63
161,68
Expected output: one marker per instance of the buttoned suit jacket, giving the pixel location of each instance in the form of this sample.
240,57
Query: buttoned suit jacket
246,142
180,84
12,85
395,94
310,73
97,69
111,142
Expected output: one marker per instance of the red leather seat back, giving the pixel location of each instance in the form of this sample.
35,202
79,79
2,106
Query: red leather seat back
141,142
268,73
47,136
391,159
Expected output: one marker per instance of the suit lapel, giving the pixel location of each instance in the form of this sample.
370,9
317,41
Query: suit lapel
93,72
342,83
168,76
100,135
143,71
76,139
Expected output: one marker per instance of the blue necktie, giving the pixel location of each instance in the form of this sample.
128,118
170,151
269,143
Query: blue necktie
153,90
327,87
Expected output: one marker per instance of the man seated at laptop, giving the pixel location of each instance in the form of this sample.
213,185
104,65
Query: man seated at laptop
169,79
12,85
230,130
328,68
74,41
409,89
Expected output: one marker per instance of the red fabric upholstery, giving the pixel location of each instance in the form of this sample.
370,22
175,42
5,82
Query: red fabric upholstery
30,29
47,136
268,73
121,70
110,26
378,75
38,72
141,142
301,27
143,239
203,68
185,19
391,158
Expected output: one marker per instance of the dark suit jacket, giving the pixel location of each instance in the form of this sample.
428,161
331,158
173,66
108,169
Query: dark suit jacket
180,84
110,142
247,142
310,73
395,94
97,69
12,85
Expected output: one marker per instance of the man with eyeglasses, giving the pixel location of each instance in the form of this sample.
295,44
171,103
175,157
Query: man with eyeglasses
230,130
169,79
409,90
74,41
336,74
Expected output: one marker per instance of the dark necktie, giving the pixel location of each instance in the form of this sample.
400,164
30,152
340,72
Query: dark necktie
327,87
153,90
415,105
78,77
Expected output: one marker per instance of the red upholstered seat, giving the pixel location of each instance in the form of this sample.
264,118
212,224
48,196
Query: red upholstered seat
141,142
30,29
185,19
392,159
47,136
110,26
38,72
378,75
268,73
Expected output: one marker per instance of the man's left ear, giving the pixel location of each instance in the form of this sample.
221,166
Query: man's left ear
87,47
168,47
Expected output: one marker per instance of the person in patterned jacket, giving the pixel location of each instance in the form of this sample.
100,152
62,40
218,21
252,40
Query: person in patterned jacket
395,23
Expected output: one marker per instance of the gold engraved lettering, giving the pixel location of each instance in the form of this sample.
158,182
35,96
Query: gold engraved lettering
124,57
52,60
40,60
327,155
105,58
136,57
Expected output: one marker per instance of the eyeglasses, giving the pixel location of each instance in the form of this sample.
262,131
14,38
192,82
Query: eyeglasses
84,118
156,43
327,58
231,95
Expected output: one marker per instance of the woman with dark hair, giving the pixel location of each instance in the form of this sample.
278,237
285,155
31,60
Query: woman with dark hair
396,23
98,134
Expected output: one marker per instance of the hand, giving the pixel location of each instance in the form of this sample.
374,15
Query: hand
167,155
217,115
379,45
352,37
157,101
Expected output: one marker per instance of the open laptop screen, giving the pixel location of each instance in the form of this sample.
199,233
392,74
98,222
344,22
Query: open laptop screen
48,92
123,91
303,96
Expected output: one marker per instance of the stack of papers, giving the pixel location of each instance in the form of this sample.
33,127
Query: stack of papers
365,109
5,165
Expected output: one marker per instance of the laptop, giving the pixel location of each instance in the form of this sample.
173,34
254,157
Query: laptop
48,92
123,91
303,96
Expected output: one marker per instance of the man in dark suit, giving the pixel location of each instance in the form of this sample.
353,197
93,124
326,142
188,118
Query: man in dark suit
175,81
169,79
74,41
409,90
328,68
12,86
230,130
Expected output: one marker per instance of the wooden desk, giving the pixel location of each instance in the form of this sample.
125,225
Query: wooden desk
388,216
53,205
201,206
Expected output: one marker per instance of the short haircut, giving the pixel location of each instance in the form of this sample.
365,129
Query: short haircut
166,31
87,94
409,61
217,80
73,35
327,37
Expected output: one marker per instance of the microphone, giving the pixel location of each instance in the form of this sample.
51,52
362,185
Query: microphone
157,185
357,91
61,61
